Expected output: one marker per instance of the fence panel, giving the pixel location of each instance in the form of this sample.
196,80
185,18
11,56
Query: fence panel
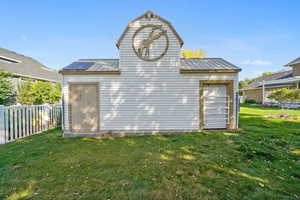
22,121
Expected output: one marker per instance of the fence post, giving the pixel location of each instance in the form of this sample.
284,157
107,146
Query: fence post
2,131
46,116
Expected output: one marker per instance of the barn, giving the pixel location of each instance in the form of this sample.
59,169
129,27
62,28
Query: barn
150,89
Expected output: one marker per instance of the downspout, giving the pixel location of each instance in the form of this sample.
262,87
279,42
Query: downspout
237,101
63,105
263,92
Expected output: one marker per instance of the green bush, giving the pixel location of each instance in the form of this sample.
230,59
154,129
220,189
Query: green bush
7,93
250,101
284,94
39,92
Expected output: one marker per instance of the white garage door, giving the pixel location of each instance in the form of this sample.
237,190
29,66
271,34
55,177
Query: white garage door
215,107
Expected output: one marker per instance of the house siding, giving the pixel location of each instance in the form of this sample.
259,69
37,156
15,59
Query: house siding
253,95
129,104
148,95
256,94
296,70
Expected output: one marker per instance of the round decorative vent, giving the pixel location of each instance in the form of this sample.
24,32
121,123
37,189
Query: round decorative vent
150,42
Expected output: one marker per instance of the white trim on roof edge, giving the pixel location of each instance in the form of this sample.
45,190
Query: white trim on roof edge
286,80
10,60
37,78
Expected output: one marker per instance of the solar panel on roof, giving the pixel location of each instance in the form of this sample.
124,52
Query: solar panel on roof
79,65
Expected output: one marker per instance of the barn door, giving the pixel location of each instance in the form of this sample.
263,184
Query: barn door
84,108
216,106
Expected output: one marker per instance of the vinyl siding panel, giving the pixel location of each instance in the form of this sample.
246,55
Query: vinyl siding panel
140,104
147,95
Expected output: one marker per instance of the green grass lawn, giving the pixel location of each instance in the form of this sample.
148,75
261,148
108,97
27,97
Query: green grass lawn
261,162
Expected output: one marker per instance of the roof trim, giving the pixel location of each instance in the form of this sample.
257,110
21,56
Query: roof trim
83,72
293,62
35,77
198,71
284,81
10,60
281,75
25,66
267,87
149,14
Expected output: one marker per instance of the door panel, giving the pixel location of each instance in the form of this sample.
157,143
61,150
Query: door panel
84,108
215,106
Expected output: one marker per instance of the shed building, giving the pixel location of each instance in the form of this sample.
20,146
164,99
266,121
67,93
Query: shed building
149,89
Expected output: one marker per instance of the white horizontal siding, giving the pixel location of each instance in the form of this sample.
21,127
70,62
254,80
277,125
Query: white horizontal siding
124,104
149,125
147,95
65,92
148,108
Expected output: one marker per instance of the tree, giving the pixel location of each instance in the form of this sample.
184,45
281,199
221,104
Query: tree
284,94
39,92
24,95
7,93
280,96
294,95
266,74
246,81
187,53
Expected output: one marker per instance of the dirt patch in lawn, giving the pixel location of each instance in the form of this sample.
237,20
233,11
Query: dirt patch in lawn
286,117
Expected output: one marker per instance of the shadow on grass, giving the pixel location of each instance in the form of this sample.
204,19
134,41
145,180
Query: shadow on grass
253,164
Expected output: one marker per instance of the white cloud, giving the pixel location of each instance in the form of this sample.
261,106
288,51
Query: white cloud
256,62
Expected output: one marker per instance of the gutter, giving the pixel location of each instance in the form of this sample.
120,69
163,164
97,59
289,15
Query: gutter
287,80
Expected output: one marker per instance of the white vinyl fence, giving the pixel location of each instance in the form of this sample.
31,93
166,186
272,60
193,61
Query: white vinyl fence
22,121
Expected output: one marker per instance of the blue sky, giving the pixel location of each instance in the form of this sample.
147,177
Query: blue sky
255,35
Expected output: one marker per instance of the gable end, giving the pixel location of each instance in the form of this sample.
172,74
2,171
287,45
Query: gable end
148,15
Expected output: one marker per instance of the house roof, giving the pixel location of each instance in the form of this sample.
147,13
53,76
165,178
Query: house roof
187,64
195,64
277,85
149,14
94,65
276,76
26,66
293,62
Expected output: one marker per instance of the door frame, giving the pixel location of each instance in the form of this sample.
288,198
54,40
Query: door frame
230,93
70,107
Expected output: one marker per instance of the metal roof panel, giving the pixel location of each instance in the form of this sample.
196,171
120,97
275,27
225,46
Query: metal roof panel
185,64
79,66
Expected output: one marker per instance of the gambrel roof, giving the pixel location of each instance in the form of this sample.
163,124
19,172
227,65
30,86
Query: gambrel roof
149,14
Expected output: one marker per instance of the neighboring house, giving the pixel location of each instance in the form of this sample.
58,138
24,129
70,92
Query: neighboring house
259,90
149,89
24,67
